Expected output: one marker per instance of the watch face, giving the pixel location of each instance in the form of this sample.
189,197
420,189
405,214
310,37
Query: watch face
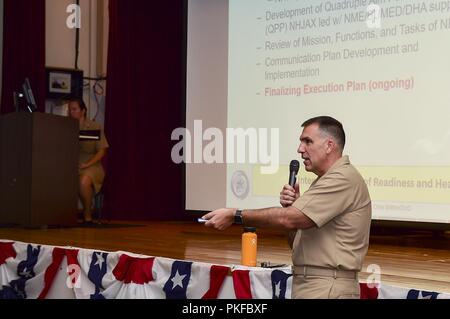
240,185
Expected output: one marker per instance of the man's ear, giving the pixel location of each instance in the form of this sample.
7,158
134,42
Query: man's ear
330,145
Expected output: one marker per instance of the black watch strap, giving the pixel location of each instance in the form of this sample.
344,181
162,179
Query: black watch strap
238,217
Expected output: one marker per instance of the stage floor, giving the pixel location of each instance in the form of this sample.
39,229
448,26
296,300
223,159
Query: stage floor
417,260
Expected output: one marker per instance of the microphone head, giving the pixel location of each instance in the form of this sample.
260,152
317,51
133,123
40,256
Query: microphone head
294,166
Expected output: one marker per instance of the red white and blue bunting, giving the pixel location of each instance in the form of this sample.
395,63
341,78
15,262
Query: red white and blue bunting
30,271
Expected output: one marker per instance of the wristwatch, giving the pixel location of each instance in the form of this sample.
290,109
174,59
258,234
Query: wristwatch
238,217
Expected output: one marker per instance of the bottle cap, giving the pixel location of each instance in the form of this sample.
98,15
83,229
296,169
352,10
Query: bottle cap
250,229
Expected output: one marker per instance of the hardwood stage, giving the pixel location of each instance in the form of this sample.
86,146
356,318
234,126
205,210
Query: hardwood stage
413,259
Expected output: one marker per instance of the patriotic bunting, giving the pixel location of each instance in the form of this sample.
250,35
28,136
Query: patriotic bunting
32,271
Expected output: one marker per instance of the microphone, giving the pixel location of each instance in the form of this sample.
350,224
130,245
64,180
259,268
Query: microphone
293,171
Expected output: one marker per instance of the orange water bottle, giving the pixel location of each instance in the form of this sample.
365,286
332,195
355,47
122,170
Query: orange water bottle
249,247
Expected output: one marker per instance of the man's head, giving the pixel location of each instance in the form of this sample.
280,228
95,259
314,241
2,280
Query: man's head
77,109
321,143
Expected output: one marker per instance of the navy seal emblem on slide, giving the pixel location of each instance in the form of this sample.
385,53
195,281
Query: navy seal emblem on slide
240,185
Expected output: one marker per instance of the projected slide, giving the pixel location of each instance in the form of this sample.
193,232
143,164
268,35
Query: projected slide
380,67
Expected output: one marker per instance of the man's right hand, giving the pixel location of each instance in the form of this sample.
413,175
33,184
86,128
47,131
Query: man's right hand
289,195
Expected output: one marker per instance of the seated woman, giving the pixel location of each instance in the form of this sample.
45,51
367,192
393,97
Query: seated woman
91,153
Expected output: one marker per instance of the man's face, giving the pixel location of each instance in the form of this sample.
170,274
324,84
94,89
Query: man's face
313,148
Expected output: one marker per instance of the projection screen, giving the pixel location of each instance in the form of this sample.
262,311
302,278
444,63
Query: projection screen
380,67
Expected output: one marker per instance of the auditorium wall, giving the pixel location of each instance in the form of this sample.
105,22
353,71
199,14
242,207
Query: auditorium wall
60,45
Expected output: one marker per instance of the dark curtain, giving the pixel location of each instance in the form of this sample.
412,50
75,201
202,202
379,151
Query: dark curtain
144,103
23,50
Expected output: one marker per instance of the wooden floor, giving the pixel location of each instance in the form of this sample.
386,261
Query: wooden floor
408,259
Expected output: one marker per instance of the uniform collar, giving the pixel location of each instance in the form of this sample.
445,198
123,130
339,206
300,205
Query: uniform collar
86,124
344,160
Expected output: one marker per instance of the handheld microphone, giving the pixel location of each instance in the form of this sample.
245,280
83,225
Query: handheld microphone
293,171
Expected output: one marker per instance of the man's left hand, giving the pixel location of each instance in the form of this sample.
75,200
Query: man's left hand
220,219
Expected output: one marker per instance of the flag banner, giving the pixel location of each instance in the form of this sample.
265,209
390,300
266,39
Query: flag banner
30,271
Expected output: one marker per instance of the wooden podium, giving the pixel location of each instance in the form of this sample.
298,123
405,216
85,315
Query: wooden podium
38,169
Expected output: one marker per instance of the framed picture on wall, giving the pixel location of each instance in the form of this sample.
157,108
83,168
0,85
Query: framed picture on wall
60,82
63,84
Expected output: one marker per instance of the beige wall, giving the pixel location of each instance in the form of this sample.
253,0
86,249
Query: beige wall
60,43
